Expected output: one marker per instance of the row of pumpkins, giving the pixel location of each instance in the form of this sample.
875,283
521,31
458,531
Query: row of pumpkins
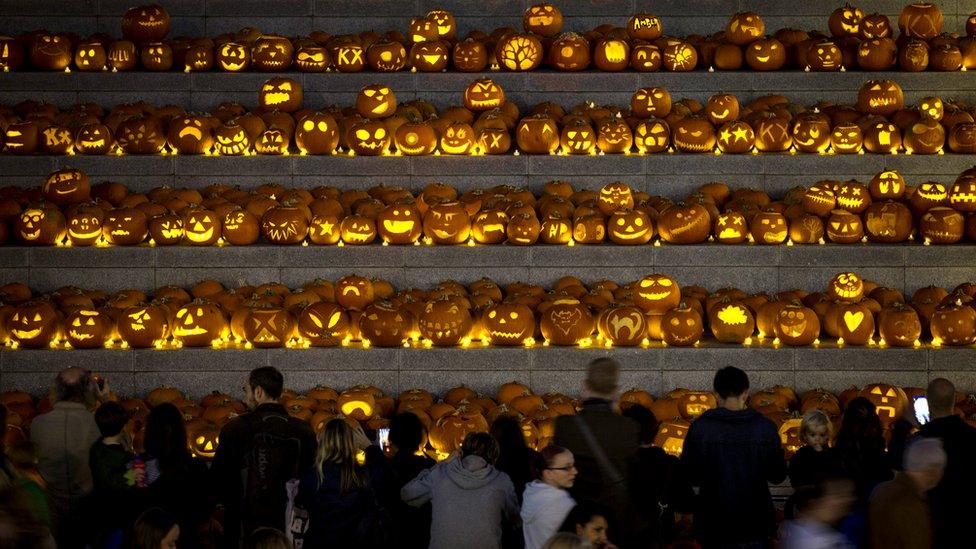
370,312
68,210
431,44
462,410
377,124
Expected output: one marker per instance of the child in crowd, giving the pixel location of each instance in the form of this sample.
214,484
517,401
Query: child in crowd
23,457
816,460
109,460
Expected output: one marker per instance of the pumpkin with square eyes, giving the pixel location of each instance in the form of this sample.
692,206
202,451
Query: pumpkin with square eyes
281,94
519,52
166,229
797,325
922,20
444,322
566,321
507,324
284,225
400,224
199,324
84,227
376,101
689,224
543,19
33,324
145,23
769,227
201,227
88,328
125,226
141,326
846,138
682,326
317,133
693,134
316,58
233,57
537,134
90,56
745,27
272,53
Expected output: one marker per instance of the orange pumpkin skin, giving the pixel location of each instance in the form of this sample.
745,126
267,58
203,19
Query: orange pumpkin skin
566,322
797,326
445,322
199,324
142,326
385,325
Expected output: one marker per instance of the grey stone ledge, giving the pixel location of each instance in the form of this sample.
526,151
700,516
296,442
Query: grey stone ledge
226,256
119,257
851,358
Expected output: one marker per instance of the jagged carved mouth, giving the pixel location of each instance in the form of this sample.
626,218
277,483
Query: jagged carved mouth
79,336
795,330
777,236
31,235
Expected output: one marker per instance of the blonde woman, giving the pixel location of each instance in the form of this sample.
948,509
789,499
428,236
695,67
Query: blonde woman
336,492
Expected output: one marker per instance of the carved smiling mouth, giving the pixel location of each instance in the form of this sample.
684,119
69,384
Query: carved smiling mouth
842,292
443,235
762,58
849,202
276,98
696,409
654,296
673,446
633,236
453,149
282,234
264,336
694,147
26,334
506,335
795,330
92,234
183,331
201,236
190,130
683,229
777,236
30,236
484,102
398,227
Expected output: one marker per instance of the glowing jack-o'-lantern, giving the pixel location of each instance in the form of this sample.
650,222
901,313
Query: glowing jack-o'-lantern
693,134
357,403
611,54
490,226
566,322
166,229
744,28
430,56
369,138
615,196
444,22
65,187
769,228
569,52
953,323
519,52
201,227
614,136
458,138
357,230
722,108
682,326
315,58
656,294
349,57
444,322
888,222
772,133
142,326
921,20
508,324
57,139
730,228
689,224
40,226
883,97
231,140
731,322
671,436
94,138
844,227
317,133
323,324
846,138
768,54
190,135
652,135
125,226
926,136
282,94
233,57
537,134
644,26
736,137
543,19
447,223
648,102
84,228
156,56
415,138
523,229
623,326
33,324
646,58
240,228
145,23
400,224
845,21
578,138
122,55
889,401
50,51
140,135
272,141
204,437
692,404
376,101
493,140
811,134
269,328
483,94
383,324
796,325
883,138
470,55
630,227
90,56
887,185
87,328
962,138
199,324
284,225
855,323
846,287
941,225
272,53
11,54
877,54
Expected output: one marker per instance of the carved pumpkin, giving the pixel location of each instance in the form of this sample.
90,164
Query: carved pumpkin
385,325
736,137
671,435
693,134
566,322
284,225
899,325
145,23
357,230
744,27
376,101
922,20
233,57
519,52
543,19
656,294
797,325
386,56
845,21
444,322
240,228
125,226
507,324
88,328
84,228
142,326
282,94
537,134
882,97
689,224
623,326
33,324
682,326
199,324
267,328
630,227
271,53
953,324
369,138
317,133
447,223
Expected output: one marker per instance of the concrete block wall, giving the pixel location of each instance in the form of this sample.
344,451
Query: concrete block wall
753,268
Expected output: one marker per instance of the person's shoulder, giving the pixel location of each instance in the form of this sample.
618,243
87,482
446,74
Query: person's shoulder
300,427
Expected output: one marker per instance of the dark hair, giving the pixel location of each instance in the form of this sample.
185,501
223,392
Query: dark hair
23,454
406,432
480,444
150,529
110,418
268,538
941,394
647,421
74,385
860,424
543,460
581,515
166,438
730,381
267,378
601,375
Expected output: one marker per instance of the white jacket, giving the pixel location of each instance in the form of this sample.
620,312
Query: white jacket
544,508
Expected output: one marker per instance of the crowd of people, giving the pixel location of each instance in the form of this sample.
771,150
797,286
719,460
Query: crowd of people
601,483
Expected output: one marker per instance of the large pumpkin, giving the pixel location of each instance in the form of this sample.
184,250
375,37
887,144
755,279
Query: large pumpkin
566,322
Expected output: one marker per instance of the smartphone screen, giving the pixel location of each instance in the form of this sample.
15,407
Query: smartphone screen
921,405
383,438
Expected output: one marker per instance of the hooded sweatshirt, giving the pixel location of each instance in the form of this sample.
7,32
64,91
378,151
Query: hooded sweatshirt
544,508
469,498
732,456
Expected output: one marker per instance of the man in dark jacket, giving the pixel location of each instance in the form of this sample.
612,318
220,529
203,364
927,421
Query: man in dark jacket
951,498
732,453
259,452
615,435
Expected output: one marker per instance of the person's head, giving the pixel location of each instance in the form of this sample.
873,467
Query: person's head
111,418
732,387
337,446
482,445
816,429
74,385
555,466
589,522
941,394
268,538
263,385
860,426
407,432
601,378
566,540
507,431
23,454
647,422
166,436
827,502
925,462
155,529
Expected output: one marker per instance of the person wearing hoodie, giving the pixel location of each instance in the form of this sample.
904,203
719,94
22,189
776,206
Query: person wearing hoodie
732,453
471,501
547,502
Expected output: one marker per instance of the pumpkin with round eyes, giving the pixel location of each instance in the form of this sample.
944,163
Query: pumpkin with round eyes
199,324
845,21
689,224
824,56
386,56
430,56
883,97
84,227
877,54
745,27
166,229
589,229
272,53
88,328
507,324
269,328
355,293
611,54
470,55
844,227
156,56
376,101
142,326
65,187
925,136
651,102
652,136
953,323
566,321
447,223
922,20
679,56
458,138
415,138
722,108
682,326
644,26
201,227
357,229
317,133
693,134
50,51
537,134
846,138
769,227
483,94
490,227
656,294
444,322
846,287
736,137
400,224
383,324
145,23
578,137
125,226
630,227
543,19
623,326
519,52
192,134
282,94
615,196
90,55
284,225
569,52
882,138
369,138
767,54
33,324
797,325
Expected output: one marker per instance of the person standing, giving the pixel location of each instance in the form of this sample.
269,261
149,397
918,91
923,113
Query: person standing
819,507
259,453
547,502
602,442
898,513
951,499
64,437
732,453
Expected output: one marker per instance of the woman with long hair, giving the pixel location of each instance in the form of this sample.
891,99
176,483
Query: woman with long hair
336,492
547,501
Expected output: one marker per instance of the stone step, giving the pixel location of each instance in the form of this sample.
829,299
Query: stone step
656,369
752,268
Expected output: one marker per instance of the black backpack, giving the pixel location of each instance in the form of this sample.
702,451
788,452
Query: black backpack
270,460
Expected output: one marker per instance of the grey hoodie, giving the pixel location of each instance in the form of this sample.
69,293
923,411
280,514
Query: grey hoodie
544,508
470,499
